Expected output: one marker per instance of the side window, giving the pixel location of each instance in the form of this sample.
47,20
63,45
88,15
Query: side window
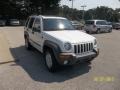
26,24
101,22
31,23
36,26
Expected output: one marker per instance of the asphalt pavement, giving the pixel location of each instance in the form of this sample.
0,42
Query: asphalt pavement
24,70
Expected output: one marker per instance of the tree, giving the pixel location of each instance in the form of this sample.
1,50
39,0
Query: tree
24,8
103,13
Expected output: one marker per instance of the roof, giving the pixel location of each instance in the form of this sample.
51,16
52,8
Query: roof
47,17
52,17
96,20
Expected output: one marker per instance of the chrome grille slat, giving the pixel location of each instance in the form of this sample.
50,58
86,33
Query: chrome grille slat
87,47
83,48
80,48
77,49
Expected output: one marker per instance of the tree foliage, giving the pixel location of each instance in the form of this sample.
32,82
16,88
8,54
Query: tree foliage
102,12
24,8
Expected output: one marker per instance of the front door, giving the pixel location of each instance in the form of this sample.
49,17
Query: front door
37,34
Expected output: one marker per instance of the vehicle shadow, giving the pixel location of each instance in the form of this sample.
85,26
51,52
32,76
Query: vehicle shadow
33,63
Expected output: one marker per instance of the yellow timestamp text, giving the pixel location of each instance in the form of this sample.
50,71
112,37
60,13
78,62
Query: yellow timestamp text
104,79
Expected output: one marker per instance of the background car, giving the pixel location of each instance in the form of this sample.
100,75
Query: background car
97,26
2,22
77,25
13,22
116,25
109,23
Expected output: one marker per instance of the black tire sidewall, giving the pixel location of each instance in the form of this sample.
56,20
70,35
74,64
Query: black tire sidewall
54,62
98,31
29,46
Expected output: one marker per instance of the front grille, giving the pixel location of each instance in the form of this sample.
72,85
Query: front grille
83,48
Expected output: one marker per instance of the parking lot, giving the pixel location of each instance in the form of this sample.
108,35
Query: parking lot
24,70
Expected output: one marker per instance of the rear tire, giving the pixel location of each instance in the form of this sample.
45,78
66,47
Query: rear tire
89,32
50,61
110,30
98,31
27,44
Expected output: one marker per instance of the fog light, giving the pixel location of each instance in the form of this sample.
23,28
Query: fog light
65,62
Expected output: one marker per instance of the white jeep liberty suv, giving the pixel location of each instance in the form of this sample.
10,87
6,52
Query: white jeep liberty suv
60,43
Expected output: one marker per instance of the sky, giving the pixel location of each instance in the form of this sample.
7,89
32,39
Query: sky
91,3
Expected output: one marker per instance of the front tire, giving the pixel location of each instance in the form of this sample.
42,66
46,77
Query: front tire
50,61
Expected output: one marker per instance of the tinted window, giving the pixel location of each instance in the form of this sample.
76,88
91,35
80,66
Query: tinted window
31,22
27,22
57,24
37,23
101,22
89,22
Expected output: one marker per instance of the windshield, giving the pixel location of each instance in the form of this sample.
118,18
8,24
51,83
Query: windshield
57,24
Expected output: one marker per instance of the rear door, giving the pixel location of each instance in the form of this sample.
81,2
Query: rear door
29,29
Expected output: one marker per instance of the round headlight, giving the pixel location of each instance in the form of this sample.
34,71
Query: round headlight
67,46
95,42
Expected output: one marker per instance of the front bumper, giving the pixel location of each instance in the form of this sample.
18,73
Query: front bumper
71,58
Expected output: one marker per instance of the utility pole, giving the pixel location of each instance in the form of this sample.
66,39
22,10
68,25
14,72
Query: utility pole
72,9
72,3
83,6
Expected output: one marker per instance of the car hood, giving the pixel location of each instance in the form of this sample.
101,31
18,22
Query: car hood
72,36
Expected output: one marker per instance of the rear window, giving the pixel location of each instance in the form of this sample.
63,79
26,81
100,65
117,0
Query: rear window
89,22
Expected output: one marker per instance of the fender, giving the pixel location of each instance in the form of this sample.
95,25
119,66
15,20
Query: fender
55,48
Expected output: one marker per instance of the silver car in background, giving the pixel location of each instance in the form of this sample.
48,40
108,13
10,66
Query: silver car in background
77,25
14,22
116,25
97,26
